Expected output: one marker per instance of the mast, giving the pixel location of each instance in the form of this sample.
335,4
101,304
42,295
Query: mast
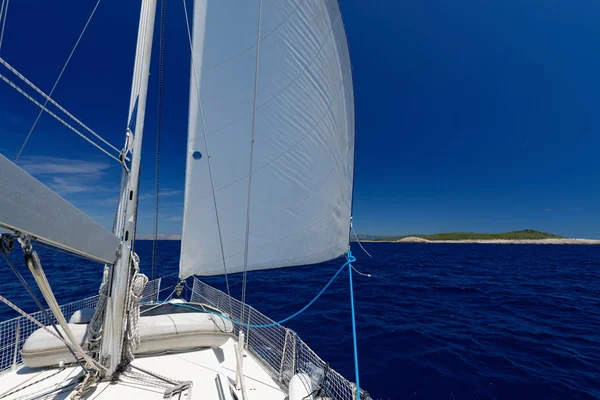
113,332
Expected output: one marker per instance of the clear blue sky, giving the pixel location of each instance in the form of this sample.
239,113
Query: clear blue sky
473,115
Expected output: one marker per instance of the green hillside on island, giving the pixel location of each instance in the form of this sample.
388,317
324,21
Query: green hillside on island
527,234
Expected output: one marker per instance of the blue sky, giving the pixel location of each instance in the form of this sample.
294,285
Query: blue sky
473,115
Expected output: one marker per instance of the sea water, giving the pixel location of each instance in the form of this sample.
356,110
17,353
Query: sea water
435,321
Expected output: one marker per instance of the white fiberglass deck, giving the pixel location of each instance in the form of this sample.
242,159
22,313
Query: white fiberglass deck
202,367
273,355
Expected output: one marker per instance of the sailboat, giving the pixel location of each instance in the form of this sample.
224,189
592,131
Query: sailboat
268,184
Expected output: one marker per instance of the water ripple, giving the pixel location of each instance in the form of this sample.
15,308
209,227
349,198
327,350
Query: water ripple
436,321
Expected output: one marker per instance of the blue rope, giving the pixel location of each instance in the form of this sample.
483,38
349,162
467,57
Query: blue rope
350,259
353,326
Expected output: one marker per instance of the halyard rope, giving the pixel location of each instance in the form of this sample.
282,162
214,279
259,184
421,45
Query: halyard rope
94,328
132,316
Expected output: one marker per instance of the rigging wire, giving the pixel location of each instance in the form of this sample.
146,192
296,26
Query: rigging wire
212,185
5,79
251,152
4,21
49,99
27,383
161,68
2,10
57,80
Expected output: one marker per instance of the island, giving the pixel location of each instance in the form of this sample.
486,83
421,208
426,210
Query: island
159,237
526,236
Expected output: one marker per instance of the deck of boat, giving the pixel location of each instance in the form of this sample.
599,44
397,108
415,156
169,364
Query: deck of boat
212,372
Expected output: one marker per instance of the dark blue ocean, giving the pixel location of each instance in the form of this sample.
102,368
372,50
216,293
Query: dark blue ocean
436,321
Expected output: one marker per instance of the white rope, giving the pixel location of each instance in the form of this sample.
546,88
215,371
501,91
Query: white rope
3,22
360,273
131,323
81,390
18,89
357,240
363,249
94,328
48,98
57,80
171,386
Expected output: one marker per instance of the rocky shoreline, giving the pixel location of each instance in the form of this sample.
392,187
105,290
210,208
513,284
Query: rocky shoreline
413,239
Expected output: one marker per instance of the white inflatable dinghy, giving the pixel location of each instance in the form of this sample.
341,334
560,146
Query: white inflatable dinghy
302,387
158,333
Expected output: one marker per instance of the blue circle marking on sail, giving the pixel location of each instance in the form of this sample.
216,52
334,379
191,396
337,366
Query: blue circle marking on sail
197,155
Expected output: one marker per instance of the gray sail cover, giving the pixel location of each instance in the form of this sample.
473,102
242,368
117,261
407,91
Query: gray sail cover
303,158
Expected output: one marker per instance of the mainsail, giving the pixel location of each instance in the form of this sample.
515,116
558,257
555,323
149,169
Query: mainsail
290,92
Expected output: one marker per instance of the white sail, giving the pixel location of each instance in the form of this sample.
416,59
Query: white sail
301,115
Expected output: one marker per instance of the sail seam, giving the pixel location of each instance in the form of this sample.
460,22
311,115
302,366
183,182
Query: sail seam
268,223
282,91
279,239
290,148
247,49
292,261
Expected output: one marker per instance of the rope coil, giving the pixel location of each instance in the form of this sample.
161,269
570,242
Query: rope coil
132,316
